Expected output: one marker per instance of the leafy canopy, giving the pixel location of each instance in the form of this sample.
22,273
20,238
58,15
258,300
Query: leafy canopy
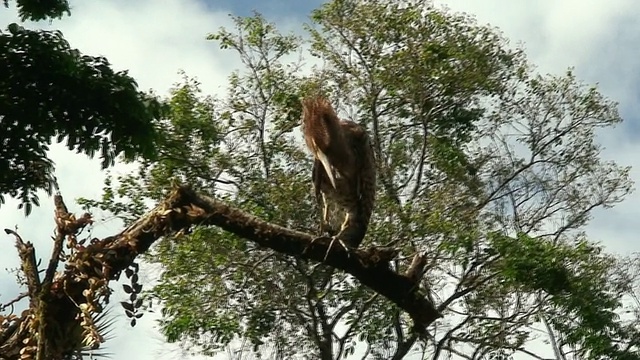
40,10
488,169
49,90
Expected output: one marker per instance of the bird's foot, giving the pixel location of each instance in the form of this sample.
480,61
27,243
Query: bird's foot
314,240
346,247
333,239
327,231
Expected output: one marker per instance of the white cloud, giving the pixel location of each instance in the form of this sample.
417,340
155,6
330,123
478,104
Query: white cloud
154,39
600,40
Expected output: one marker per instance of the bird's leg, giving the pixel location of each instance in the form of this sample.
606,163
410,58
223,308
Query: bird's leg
345,223
339,237
325,215
325,227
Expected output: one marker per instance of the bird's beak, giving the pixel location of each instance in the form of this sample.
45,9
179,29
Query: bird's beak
327,167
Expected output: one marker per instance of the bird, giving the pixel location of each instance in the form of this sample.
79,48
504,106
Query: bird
343,173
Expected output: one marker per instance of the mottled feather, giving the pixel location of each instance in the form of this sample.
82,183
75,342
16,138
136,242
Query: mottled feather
344,172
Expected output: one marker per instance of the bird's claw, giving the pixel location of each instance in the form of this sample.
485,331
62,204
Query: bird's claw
327,231
313,241
341,242
335,238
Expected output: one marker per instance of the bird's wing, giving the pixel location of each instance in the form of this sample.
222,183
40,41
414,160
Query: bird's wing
366,178
316,176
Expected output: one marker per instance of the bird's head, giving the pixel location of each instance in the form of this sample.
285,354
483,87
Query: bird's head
323,135
319,124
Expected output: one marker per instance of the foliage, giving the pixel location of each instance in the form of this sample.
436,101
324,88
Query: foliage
488,169
40,10
582,287
64,318
47,90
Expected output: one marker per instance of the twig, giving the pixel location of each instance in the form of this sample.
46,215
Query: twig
10,303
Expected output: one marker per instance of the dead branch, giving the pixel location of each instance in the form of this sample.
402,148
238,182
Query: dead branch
3,307
370,266
82,287
29,265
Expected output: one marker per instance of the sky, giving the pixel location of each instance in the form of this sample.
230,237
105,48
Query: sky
154,39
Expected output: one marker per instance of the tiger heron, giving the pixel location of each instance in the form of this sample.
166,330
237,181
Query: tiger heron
344,172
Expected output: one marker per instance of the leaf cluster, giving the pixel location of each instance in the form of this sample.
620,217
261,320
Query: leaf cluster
50,90
36,10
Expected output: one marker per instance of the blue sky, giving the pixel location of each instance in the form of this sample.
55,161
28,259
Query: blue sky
270,9
154,39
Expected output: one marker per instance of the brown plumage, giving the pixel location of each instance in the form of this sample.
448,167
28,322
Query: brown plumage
344,172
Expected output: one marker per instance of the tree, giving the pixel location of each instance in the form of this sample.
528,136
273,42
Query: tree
37,10
65,306
488,174
49,90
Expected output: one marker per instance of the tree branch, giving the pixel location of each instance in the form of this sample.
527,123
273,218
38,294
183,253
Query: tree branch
83,285
370,266
29,266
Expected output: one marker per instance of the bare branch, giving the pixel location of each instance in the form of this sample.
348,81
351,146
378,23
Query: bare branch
12,302
76,293
370,266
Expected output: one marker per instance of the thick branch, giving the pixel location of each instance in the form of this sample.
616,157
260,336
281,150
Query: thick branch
370,266
76,292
